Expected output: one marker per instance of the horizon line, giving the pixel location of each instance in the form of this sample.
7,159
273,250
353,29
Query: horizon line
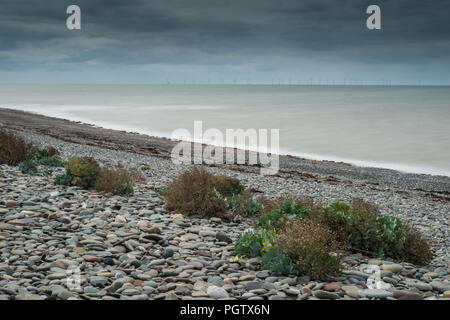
238,84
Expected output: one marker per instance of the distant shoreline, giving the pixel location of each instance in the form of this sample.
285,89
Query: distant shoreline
89,134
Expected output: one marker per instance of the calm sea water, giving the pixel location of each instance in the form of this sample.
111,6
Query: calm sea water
402,128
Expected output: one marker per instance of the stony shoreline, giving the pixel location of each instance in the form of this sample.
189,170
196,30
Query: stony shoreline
132,248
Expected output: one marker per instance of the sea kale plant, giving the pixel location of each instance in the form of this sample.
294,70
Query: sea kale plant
312,237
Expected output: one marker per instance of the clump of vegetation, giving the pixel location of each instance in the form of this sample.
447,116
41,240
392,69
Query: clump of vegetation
52,161
311,237
193,193
84,170
46,157
80,172
163,190
29,166
227,186
416,247
64,179
300,223
252,243
358,227
334,218
14,149
362,229
279,217
277,263
198,192
310,246
243,204
118,181
358,204
86,173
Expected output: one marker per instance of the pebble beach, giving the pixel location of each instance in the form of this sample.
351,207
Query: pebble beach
132,248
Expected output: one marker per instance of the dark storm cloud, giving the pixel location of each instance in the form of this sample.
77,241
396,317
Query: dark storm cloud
220,38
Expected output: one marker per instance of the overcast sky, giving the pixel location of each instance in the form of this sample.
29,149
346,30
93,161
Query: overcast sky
146,41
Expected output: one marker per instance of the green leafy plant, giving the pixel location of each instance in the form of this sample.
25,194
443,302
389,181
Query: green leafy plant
279,217
64,179
85,171
244,204
28,166
47,172
340,207
252,243
163,190
52,161
277,263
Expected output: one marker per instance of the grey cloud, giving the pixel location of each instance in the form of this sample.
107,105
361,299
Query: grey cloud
259,36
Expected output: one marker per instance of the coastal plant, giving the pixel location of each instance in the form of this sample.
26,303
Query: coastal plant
268,205
118,181
312,247
359,227
45,152
163,190
243,204
85,171
48,156
279,217
52,161
28,166
416,247
64,179
227,186
193,193
334,217
47,172
253,243
277,263
375,235
14,149
312,237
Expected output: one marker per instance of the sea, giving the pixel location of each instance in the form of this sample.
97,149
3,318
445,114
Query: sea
405,128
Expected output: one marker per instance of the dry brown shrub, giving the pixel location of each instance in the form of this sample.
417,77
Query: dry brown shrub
358,204
192,193
269,204
310,246
226,186
52,151
417,249
119,181
14,149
